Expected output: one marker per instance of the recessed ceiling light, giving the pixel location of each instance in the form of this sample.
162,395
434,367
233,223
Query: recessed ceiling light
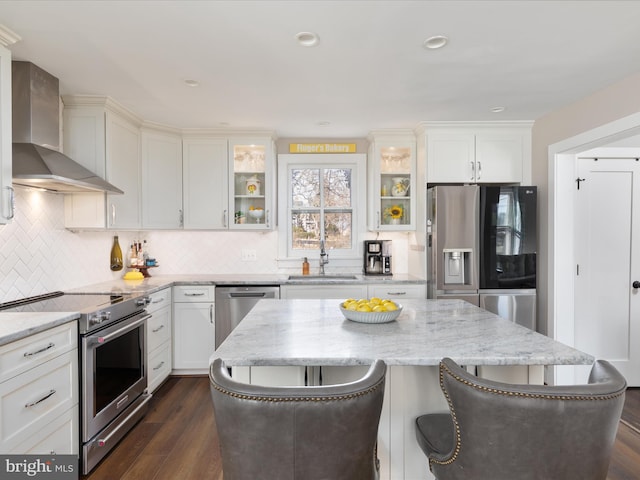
192,83
435,42
498,109
307,39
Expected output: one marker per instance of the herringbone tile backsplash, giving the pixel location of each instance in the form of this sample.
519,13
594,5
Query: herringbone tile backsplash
38,255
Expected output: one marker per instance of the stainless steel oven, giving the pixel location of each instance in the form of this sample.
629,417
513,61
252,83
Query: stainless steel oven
113,384
113,369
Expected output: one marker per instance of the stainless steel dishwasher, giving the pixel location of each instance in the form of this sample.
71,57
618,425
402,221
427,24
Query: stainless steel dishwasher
233,304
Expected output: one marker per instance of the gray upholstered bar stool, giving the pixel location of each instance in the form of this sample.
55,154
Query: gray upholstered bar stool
298,433
498,431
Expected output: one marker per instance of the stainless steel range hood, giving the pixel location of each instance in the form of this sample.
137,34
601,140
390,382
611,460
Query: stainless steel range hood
36,133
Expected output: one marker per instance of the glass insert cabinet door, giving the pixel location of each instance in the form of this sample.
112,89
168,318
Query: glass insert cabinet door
393,185
251,192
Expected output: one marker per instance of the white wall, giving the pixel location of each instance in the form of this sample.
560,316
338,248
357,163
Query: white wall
38,255
605,106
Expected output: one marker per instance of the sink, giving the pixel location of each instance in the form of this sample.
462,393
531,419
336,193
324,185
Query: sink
315,278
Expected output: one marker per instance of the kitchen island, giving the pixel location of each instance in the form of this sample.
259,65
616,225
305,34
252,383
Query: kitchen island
313,334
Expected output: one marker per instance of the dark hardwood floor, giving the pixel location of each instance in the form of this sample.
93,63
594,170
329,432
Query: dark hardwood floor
177,439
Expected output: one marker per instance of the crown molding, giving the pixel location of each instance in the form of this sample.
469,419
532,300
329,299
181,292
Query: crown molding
8,36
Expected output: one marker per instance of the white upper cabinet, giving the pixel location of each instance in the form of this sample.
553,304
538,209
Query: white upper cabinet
6,190
123,171
205,186
105,139
391,169
161,180
478,153
252,184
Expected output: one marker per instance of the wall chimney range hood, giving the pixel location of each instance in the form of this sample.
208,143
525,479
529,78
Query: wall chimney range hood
37,162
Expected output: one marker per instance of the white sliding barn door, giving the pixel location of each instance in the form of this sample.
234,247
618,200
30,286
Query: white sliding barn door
607,306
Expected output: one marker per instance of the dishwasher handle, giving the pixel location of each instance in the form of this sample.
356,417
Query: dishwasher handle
247,294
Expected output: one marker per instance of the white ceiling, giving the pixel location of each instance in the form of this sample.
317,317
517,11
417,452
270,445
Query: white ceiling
368,72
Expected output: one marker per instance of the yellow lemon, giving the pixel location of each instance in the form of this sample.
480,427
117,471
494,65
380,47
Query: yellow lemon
378,308
352,306
375,300
390,306
363,307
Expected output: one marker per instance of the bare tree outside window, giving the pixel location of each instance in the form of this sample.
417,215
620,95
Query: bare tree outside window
321,208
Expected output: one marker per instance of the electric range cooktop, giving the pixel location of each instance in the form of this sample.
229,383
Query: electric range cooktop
63,302
96,311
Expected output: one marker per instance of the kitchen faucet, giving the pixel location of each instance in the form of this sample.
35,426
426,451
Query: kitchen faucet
324,257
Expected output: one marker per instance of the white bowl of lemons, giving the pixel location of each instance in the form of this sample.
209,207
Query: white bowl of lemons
370,310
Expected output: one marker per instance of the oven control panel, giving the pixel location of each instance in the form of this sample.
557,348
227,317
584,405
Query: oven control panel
99,317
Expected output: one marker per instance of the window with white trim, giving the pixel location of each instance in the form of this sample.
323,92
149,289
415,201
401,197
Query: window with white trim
321,196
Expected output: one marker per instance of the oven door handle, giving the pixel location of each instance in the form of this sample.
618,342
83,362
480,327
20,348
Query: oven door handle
130,326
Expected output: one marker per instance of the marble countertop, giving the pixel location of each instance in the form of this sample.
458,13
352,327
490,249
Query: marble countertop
152,284
314,332
14,326
17,325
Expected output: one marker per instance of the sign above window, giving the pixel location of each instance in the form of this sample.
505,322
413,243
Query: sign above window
322,148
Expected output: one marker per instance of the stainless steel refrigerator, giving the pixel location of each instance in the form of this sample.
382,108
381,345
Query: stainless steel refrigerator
481,247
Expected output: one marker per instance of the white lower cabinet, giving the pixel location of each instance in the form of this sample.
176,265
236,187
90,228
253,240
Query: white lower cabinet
193,328
392,291
39,399
323,291
397,292
159,338
55,437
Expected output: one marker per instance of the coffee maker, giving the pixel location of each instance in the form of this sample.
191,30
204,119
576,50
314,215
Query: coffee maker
377,257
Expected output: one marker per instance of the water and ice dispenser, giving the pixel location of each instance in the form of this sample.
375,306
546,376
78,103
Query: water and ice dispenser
457,266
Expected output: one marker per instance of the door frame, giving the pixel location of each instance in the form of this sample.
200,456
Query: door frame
560,241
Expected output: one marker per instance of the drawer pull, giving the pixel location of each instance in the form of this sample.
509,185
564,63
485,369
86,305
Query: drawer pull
28,405
193,294
157,329
30,354
159,366
396,293
161,299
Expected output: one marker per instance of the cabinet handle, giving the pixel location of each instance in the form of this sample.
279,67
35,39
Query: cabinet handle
30,354
29,405
378,219
181,217
158,300
224,219
397,294
193,294
479,165
473,171
211,314
12,203
159,366
157,329
266,219
113,214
